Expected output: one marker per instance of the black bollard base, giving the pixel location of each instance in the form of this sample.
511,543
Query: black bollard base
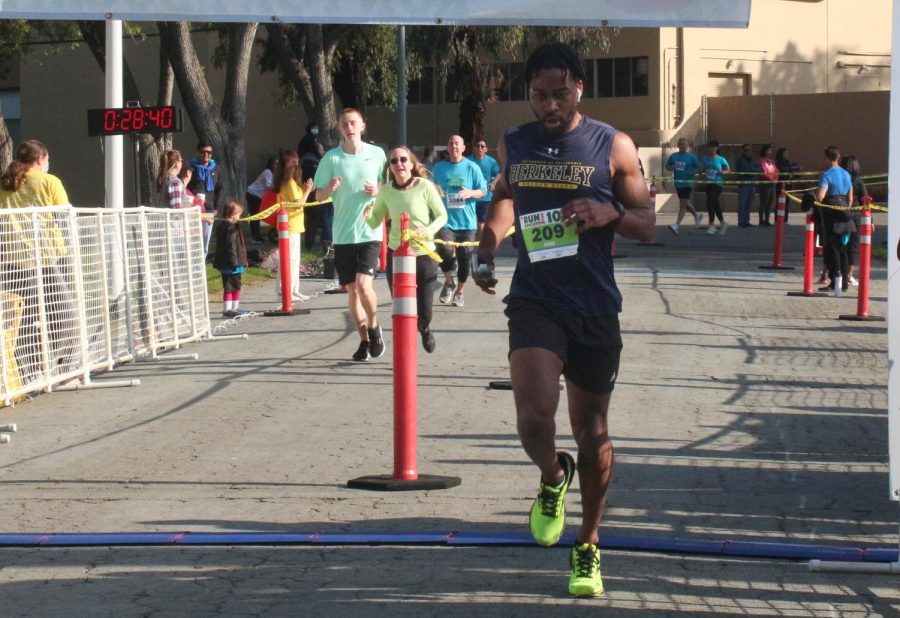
500,385
862,318
385,482
773,267
808,294
277,313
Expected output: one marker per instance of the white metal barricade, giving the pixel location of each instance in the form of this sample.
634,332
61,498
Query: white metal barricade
84,289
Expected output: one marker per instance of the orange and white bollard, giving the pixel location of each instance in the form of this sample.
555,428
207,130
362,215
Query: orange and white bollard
284,261
780,213
405,320
284,267
809,260
382,258
865,267
405,347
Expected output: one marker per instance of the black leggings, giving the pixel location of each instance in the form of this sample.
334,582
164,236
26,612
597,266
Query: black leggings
426,276
458,257
712,203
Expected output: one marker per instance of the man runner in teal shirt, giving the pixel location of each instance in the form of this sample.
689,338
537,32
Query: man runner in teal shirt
349,175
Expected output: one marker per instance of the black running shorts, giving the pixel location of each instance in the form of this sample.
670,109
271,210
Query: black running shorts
589,347
357,259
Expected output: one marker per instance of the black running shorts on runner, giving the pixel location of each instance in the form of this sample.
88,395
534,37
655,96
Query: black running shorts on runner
589,347
683,192
357,259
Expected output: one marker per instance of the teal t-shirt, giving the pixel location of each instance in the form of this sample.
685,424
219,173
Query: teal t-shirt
684,166
712,169
451,178
489,168
350,198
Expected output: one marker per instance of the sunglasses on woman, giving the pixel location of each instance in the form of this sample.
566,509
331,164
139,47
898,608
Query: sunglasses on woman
396,160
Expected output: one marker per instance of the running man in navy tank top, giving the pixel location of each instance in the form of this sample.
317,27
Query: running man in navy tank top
568,184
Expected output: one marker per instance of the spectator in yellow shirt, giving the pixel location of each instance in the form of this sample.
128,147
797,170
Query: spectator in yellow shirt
287,183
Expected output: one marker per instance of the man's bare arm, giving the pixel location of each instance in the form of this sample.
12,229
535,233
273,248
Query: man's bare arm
630,190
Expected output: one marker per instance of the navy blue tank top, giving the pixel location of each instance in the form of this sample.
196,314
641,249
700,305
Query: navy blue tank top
545,173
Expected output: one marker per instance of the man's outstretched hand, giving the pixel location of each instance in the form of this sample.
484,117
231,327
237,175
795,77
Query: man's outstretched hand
484,278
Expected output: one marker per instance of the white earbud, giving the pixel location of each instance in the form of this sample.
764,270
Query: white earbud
579,94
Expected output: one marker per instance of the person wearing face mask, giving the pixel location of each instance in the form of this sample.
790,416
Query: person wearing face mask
307,143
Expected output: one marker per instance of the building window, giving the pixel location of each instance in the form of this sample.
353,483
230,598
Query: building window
11,110
509,81
618,77
421,90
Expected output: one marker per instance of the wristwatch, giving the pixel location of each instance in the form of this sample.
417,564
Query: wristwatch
619,209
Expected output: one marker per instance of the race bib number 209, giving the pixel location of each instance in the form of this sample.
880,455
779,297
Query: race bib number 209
546,235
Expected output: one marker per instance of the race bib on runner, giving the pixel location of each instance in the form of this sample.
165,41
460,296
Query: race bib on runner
546,237
679,166
455,201
712,174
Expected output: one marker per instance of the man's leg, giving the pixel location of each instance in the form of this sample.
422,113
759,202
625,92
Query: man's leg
463,262
447,254
682,209
368,300
357,313
588,415
534,373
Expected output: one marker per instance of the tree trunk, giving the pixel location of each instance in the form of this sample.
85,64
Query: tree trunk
222,127
6,145
307,69
152,146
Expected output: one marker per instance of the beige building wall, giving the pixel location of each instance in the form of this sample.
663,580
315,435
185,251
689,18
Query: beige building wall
790,47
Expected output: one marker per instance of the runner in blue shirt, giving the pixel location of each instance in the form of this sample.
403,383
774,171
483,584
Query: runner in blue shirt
684,166
714,166
490,169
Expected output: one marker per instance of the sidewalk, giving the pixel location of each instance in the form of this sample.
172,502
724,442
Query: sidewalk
740,413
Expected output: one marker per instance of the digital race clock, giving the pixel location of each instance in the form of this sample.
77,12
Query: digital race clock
129,120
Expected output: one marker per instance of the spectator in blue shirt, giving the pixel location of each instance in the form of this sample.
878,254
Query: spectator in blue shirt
836,189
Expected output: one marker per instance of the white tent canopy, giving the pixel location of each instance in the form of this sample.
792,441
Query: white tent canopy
626,13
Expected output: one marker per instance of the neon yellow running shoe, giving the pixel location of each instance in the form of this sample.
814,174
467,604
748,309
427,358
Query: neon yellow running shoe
548,513
585,578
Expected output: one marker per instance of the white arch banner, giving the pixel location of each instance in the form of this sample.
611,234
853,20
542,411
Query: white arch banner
894,263
625,13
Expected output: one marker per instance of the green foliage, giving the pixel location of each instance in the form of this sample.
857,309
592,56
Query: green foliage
372,51
467,51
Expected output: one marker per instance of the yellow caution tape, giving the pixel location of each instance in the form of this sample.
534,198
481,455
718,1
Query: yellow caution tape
287,205
870,206
421,241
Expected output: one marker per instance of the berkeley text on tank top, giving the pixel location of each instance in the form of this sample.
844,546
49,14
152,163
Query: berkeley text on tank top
544,174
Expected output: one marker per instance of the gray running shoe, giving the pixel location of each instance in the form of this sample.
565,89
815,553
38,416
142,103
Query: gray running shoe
447,290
